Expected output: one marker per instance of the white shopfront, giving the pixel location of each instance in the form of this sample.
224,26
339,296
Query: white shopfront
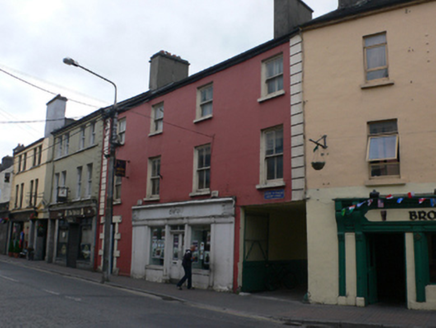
162,233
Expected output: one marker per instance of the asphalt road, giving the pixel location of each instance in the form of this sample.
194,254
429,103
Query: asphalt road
30,298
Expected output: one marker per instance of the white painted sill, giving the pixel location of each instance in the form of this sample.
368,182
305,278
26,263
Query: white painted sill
385,181
204,118
369,85
271,96
273,184
151,199
200,193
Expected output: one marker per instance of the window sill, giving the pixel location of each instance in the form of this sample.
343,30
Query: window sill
204,118
154,267
272,184
375,84
116,202
271,96
155,133
385,181
200,193
151,199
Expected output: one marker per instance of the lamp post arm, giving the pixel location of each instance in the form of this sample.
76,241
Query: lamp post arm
103,78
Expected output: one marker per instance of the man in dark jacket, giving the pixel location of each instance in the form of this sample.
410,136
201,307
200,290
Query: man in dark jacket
187,266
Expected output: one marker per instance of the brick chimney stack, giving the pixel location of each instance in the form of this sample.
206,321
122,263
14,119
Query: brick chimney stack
288,14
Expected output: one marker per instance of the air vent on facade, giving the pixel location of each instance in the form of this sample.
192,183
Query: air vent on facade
214,194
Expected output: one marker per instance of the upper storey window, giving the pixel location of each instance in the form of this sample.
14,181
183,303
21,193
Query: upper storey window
157,115
205,102
272,78
376,57
382,154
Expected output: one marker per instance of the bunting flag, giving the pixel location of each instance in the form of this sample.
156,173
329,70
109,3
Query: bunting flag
343,211
410,194
399,200
351,208
369,202
432,202
360,204
389,196
421,200
380,203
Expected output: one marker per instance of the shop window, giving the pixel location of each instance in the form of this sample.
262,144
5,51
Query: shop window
62,239
431,241
200,238
157,245
85,239
382,153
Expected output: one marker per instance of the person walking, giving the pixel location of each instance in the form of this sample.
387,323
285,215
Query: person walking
187,267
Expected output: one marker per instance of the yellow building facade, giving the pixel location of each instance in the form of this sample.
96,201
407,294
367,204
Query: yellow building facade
369,78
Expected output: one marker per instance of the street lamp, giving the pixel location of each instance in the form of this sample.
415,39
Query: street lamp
113,115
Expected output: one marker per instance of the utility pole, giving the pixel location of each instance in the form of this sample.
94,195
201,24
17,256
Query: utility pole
112,115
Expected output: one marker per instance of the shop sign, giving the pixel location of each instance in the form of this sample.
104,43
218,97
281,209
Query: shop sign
120,168
274,194
422,215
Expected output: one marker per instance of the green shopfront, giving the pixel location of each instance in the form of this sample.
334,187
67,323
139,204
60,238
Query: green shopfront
387,251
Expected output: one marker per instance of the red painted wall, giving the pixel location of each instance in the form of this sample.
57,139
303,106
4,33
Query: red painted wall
234,133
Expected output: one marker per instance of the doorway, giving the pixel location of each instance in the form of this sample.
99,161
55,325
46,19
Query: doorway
386,268
177,244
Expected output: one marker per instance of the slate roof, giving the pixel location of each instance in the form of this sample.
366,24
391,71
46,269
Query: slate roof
361,7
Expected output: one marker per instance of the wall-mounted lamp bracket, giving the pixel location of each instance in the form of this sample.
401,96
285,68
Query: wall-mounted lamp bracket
317,142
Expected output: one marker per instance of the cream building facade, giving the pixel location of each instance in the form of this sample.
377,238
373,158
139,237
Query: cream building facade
369,77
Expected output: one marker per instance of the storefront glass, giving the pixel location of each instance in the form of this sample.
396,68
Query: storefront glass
431,241
85,239
157,245
200,238
62,239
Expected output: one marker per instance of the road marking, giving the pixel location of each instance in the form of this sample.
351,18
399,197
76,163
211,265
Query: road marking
51,292
73,298
7,278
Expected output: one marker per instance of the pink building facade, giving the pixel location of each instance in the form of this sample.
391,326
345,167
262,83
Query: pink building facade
214,160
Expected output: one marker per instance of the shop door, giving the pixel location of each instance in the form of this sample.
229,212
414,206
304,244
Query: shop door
177,245
73,245
386,268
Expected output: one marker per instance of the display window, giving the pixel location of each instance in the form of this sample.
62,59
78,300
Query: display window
85,240
62,239
200,238
157,245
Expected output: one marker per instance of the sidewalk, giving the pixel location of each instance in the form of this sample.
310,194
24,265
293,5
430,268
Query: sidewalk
274,305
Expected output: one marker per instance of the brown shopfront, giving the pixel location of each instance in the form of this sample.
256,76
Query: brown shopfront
73,236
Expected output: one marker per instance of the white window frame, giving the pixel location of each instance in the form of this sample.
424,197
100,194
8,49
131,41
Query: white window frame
66,143
82,138
92,134
56,187
275,77
153,177
19,163
117,188
79,182
60,142
391,147
367,48
35,152
121,131
264,157
157,118
24,161
31,194
88,189
201,170
204,100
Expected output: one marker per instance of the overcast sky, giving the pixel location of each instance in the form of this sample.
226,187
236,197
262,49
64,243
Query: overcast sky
116,40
